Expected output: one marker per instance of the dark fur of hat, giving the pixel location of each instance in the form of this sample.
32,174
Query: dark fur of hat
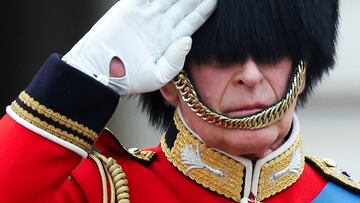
266,30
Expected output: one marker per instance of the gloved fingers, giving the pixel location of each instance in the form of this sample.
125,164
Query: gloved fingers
152,75
172,61
161,6
180,9
195,19
188,27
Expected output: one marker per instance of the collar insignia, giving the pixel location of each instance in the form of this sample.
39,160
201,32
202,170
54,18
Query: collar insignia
294,167
193,158
227,176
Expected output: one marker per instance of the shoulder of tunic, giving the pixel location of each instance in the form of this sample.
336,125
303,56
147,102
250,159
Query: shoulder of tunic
330,170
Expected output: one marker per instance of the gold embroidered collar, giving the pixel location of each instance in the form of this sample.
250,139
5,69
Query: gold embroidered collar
236,177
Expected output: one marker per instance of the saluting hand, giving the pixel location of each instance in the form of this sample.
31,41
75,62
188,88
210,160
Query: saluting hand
150,37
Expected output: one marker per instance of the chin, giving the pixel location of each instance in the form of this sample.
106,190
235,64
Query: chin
253,144
250,143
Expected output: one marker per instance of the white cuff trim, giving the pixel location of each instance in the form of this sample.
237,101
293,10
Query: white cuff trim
45,134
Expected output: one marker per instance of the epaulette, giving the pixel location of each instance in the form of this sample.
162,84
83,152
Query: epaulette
329,169
141,155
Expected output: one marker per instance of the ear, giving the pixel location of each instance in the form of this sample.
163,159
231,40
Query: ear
170,93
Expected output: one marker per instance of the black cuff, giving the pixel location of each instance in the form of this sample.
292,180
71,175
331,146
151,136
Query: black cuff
67,103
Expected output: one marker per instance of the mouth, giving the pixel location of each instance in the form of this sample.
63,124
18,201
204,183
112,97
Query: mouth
245,111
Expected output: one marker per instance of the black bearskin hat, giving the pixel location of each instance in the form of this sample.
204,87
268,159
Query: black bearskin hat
266,30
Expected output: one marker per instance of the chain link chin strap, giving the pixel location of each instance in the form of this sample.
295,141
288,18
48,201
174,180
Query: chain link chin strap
261,119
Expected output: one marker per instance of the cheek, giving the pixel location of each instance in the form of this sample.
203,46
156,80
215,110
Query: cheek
279,81
278,76
284,125
194,122
210,85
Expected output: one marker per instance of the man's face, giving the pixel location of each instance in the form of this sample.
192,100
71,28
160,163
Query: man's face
240,90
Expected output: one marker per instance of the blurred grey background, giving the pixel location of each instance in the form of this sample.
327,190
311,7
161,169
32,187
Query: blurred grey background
330,121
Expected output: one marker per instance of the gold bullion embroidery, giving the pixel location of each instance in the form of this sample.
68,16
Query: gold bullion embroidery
229,184
269,186
329,170
57,117
144,155
50,128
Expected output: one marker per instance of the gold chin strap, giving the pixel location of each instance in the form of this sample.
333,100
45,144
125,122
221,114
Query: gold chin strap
261,119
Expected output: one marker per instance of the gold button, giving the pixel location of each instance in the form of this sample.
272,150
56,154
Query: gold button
330,162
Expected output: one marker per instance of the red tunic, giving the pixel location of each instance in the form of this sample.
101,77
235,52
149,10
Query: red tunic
37,169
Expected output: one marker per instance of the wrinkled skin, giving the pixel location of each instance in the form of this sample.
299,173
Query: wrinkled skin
238,90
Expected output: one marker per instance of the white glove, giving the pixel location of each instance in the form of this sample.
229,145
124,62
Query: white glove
151,38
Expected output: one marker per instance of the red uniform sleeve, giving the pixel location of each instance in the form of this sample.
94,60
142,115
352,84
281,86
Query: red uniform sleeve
60,103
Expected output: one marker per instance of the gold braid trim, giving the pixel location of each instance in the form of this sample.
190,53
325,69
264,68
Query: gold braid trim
49,128
275,175
266,187
111,171
229,184
259,120
330,171
57,117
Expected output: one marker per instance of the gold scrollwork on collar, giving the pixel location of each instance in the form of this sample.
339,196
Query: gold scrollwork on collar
204,165
281,172
224,175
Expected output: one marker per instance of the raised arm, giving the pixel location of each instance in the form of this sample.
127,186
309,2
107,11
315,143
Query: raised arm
51,127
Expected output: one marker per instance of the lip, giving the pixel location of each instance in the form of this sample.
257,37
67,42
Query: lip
245,110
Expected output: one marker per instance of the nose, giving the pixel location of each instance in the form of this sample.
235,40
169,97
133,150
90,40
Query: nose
248,74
